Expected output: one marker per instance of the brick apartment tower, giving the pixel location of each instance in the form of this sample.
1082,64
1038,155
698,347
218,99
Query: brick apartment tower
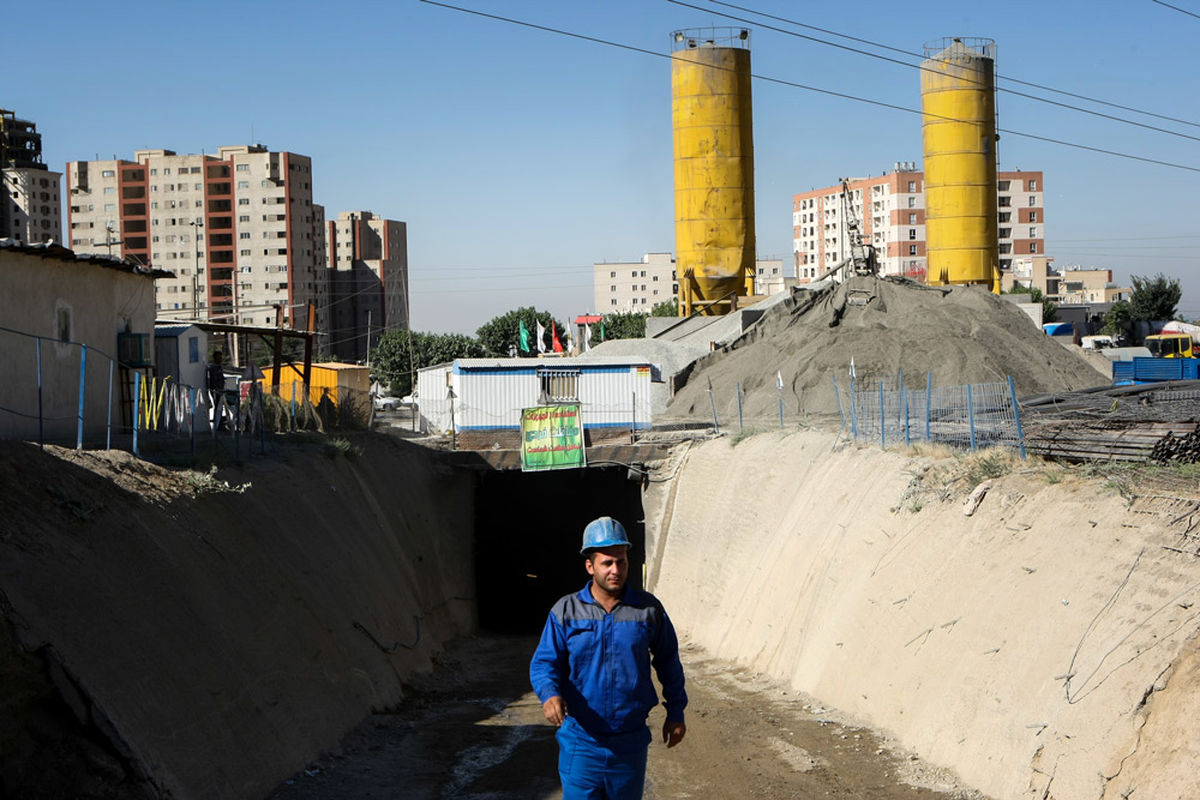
368,283
238,229
30,208
892,210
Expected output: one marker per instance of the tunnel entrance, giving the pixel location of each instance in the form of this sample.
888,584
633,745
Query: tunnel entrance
528,528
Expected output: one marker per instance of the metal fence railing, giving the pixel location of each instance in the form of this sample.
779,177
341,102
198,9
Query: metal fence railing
969,415
67,392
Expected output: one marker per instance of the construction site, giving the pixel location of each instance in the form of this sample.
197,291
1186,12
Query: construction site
863,612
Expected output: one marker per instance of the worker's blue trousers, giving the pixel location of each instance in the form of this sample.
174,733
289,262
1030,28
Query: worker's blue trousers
607,768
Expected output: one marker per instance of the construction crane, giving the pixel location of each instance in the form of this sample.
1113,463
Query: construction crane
862,259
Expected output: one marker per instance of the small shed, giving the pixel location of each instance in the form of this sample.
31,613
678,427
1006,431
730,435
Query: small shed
180,351
332,382
481,399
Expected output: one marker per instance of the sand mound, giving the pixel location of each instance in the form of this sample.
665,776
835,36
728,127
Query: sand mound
959,334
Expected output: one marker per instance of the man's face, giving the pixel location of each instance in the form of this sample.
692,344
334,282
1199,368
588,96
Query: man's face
609,568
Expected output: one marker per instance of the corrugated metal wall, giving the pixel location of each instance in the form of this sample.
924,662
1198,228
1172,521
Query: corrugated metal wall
493,397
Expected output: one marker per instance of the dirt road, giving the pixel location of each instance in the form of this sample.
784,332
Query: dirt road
473,731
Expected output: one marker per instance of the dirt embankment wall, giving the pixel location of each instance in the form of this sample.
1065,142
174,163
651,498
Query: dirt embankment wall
219,638
1043,647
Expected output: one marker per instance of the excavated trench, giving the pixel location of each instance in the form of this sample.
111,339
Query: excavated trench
219,633
527,533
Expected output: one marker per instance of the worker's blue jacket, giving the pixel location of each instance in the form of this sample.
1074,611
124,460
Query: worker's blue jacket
599,662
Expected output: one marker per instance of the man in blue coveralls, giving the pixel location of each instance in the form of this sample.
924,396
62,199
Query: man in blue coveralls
591,671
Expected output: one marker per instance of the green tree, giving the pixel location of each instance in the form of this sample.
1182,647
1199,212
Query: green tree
667,308
1154,298
394,364
1049,308
1117,318
623,325
499,335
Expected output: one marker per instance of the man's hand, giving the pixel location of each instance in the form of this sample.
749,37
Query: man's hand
672,732
555,710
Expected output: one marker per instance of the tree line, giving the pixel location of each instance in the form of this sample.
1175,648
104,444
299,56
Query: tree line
399,354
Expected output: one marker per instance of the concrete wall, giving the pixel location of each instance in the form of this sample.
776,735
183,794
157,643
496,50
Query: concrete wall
221,639
1044,646
98,302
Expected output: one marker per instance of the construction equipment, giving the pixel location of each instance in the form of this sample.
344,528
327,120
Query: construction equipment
1171,345
862,258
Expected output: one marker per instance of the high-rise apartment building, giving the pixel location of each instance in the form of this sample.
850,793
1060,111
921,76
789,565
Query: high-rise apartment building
367,283
30,208
238,229
891,212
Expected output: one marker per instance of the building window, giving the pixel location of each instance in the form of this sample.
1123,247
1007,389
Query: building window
1005,216
558,385
1033,233
1032,200
1033,186
912,249
243,167
912,234
108,173
912,219
1033,216
1005,233
912,186
1033,247
912,202
1002,186
63,318
1004,202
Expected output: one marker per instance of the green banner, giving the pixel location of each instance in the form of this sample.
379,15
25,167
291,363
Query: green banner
551,438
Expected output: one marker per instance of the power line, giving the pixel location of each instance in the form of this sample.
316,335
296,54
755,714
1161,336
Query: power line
882,46
816,89
923,68
1176,8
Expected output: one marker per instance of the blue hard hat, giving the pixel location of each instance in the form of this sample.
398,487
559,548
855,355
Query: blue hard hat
603,532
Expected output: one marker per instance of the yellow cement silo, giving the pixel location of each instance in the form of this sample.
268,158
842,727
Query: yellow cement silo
714,168
958,103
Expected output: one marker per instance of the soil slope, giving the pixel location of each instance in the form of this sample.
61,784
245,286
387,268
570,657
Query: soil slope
1043,646
208,634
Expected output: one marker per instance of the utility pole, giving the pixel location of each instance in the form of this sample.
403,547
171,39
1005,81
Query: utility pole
198,231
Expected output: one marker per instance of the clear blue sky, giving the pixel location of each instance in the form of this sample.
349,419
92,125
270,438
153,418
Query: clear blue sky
519,157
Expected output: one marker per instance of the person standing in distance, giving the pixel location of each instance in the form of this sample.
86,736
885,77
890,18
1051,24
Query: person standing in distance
591,671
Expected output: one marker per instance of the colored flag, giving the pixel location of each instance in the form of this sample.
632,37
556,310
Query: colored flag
602,329
541,337
587,338
524,337
554,336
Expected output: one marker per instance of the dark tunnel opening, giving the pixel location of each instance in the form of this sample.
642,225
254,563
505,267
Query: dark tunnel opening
528,530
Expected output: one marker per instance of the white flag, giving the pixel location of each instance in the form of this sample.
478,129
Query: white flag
779,381
851,367
541,338
587,338
570,344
